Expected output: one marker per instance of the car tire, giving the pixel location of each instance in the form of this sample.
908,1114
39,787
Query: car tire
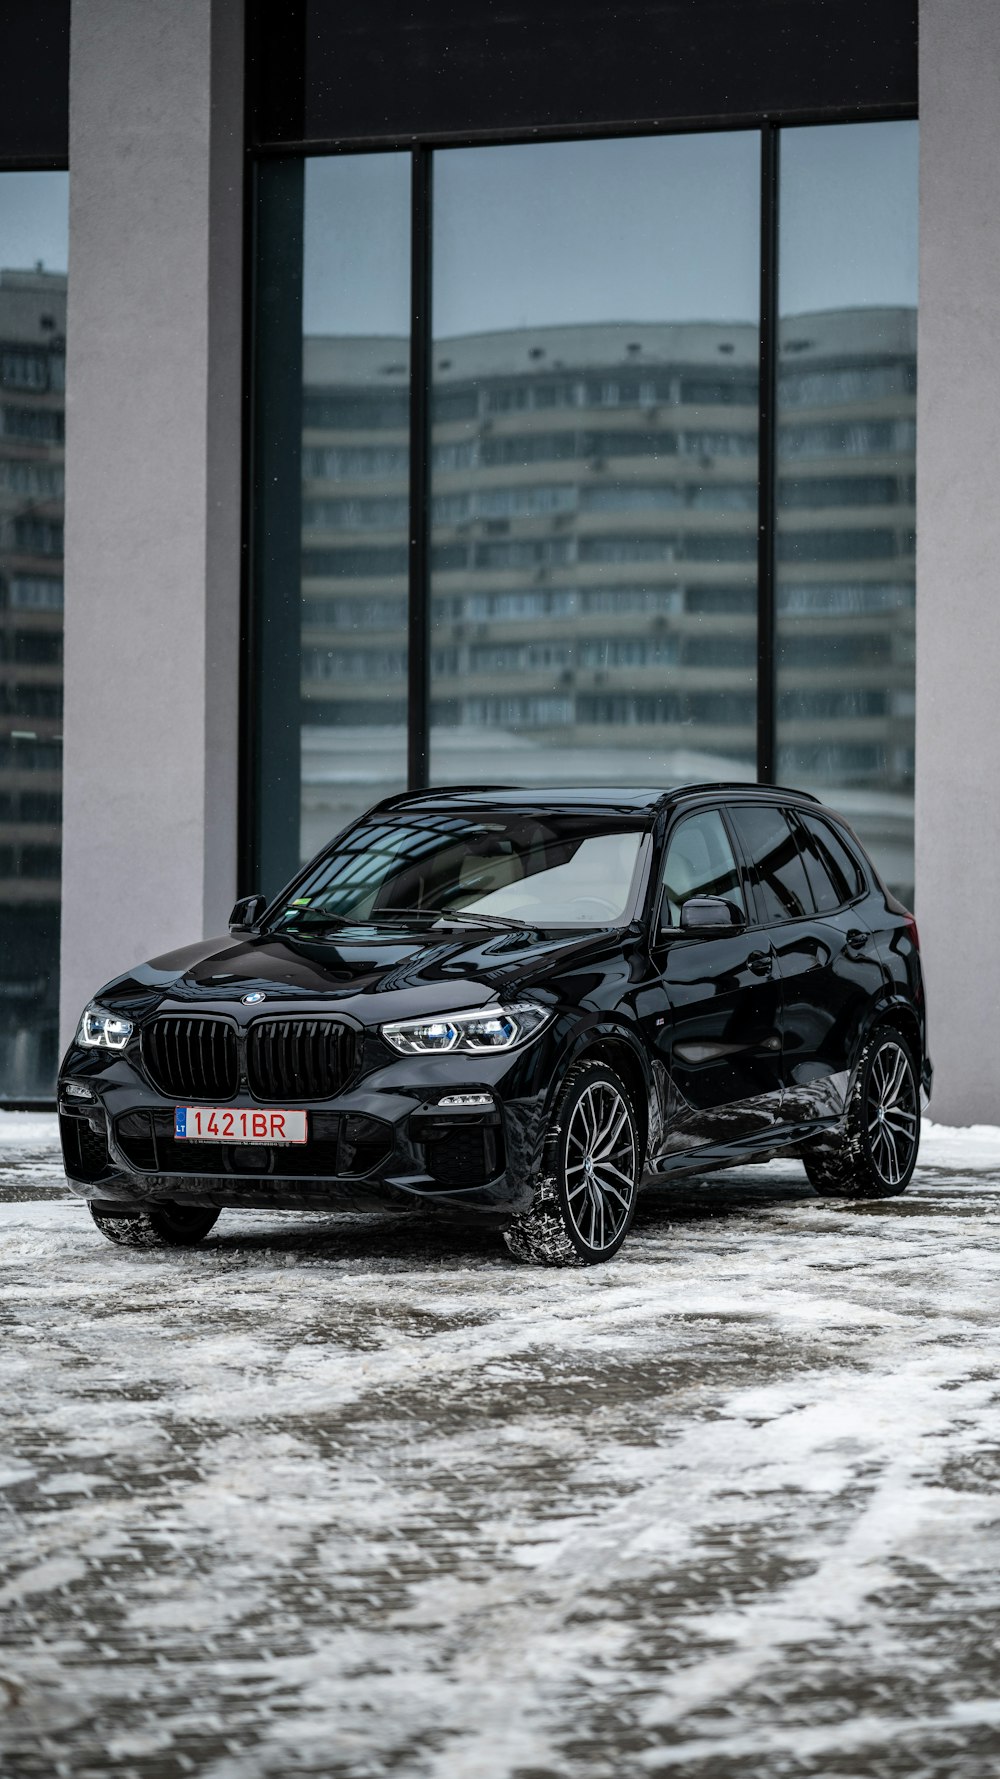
580,1214
875,1151
161,1226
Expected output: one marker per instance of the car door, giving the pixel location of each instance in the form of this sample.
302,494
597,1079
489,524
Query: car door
855,974
827,961
718,1038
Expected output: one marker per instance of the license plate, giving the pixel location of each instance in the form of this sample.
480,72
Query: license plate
238,1124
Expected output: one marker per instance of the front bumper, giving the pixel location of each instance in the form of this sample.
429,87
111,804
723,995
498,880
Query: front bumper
385,1141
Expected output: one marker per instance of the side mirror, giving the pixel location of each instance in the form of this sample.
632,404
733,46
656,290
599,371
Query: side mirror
711,914
246,914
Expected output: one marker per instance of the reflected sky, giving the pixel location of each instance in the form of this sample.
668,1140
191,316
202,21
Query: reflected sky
356,263
848,216
638,229
33,221
561,233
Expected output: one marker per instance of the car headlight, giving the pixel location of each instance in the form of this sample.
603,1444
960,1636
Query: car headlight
481,1032
100,1029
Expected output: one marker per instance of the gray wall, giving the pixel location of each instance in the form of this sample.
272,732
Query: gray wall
958,552
153,482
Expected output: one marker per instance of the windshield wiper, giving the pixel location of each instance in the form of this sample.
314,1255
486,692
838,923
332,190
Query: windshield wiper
298,920
456,917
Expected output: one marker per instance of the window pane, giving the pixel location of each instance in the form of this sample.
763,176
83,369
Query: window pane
833,873
771,847
846,477
699,862
595,461
331,513
33,259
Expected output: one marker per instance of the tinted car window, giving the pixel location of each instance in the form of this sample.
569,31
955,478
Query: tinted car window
828,860
773,851
699,862
829,892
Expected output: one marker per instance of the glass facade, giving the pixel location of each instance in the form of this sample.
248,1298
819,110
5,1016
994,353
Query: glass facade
846,515
594,460
33,264
588,598
332,475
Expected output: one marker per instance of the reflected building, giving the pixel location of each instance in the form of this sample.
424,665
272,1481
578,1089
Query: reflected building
32,419
594,561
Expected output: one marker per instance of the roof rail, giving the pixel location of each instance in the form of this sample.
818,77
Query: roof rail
788,790
401,798
766,790
437,790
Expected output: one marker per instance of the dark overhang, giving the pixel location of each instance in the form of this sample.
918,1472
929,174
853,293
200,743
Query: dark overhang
338,71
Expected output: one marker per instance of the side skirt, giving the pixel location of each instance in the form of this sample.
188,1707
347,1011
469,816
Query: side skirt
755,1147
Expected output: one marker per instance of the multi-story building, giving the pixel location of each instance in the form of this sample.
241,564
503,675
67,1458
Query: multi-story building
32,429
594,514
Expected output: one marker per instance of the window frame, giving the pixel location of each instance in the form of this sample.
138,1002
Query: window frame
770,128
852,849
764,922
660,934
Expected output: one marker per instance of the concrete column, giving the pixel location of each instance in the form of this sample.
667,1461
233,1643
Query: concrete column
153,482
958,553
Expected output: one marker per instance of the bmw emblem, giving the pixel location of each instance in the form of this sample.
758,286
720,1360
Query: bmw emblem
251,1000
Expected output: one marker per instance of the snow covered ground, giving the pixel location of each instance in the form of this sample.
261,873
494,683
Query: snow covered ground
361,1497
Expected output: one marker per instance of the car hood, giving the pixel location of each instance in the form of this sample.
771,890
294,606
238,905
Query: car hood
370,975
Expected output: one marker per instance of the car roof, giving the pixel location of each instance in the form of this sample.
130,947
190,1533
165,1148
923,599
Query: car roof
643,799
477,796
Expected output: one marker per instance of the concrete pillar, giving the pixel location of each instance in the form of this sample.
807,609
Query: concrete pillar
958,553
153,482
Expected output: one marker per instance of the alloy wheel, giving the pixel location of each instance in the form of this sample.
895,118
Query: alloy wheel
893,1115
601,1165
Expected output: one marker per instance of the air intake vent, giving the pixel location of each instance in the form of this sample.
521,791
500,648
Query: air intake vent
298,1059
192,1058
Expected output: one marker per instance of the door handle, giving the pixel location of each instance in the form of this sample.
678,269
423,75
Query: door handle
760,963
857,939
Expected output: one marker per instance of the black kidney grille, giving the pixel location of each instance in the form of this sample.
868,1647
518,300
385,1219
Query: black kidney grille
298,1059
192,1058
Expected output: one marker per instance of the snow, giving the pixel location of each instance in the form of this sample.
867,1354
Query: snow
28,1129
361,1497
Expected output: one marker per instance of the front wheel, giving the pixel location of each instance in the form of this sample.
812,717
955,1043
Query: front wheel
159,1226
586,1191
875,1151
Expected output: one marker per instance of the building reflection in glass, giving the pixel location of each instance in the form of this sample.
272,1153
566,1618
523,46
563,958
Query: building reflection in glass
355,481
33,219
595,460
594,481
602,622
846,579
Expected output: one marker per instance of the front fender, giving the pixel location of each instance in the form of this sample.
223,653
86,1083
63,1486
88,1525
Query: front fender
599,1032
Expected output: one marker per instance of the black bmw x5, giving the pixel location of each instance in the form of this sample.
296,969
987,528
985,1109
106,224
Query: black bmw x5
518,1006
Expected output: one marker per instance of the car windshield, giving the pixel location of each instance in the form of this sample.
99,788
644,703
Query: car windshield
503,868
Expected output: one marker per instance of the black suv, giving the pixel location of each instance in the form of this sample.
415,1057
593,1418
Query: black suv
515,1005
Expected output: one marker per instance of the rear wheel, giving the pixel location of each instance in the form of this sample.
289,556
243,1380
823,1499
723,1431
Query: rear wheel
876,1150
160,1226
586,1191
